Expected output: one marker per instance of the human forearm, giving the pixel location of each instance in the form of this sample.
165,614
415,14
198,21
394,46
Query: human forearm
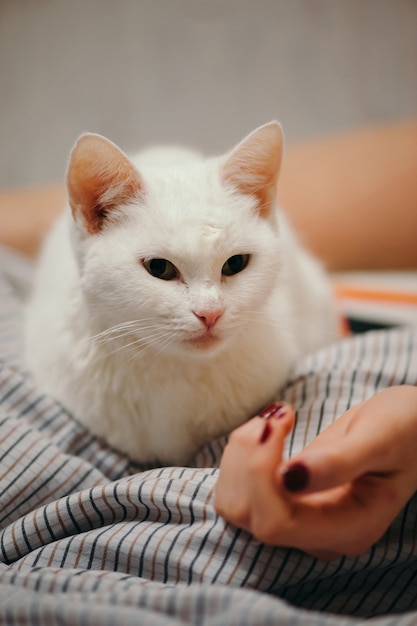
26,214
353,197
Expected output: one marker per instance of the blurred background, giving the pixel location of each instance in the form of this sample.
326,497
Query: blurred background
197,72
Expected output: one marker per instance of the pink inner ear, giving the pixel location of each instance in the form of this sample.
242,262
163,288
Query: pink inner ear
100,177
253,166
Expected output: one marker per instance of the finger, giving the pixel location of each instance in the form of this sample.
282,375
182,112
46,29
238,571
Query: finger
232,494
360,442
245,450
249,433
334,458
347,520
261,479
341,521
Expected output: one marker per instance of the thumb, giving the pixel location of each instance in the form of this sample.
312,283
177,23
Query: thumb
320,470
351,447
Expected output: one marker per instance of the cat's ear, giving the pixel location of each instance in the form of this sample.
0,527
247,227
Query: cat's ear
253,166
100,177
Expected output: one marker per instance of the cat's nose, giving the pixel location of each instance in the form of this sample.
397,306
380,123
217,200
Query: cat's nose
209,318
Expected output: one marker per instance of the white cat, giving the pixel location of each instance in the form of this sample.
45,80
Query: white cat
172,299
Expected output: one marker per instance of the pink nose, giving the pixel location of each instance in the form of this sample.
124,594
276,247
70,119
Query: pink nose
209,318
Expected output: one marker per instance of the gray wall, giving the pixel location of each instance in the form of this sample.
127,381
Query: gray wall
197,72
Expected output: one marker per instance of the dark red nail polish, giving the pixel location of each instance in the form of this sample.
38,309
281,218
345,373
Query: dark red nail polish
274,410
296,477
265,433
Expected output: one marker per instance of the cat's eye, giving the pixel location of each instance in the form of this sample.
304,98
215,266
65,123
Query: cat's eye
235,264
161,268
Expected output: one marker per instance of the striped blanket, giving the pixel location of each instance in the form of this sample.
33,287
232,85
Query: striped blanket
87,537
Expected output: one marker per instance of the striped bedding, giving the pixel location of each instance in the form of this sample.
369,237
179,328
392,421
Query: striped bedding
87,537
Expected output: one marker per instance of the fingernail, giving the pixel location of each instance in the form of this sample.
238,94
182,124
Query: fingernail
265,433
296,477
274,410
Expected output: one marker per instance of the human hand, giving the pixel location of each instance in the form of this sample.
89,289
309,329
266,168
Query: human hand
340,494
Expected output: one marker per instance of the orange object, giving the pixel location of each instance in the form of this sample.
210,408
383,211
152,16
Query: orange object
376,295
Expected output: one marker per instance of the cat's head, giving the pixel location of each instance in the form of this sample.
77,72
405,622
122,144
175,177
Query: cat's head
180,256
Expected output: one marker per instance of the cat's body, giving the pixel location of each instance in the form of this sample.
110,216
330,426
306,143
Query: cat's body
145,321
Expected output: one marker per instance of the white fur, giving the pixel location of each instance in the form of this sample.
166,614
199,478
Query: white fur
142,387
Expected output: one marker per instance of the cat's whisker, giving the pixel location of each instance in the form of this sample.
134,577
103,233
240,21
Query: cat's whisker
119,332
116,333
113,338
140,341
159,339
123,326
170,340
110,337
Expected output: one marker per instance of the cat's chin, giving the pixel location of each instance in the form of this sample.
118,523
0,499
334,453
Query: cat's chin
203,344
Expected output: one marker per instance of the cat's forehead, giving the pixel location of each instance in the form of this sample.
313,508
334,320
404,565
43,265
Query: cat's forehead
198,210
189,191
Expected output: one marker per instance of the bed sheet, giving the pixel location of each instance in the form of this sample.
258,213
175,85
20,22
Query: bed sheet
87,537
